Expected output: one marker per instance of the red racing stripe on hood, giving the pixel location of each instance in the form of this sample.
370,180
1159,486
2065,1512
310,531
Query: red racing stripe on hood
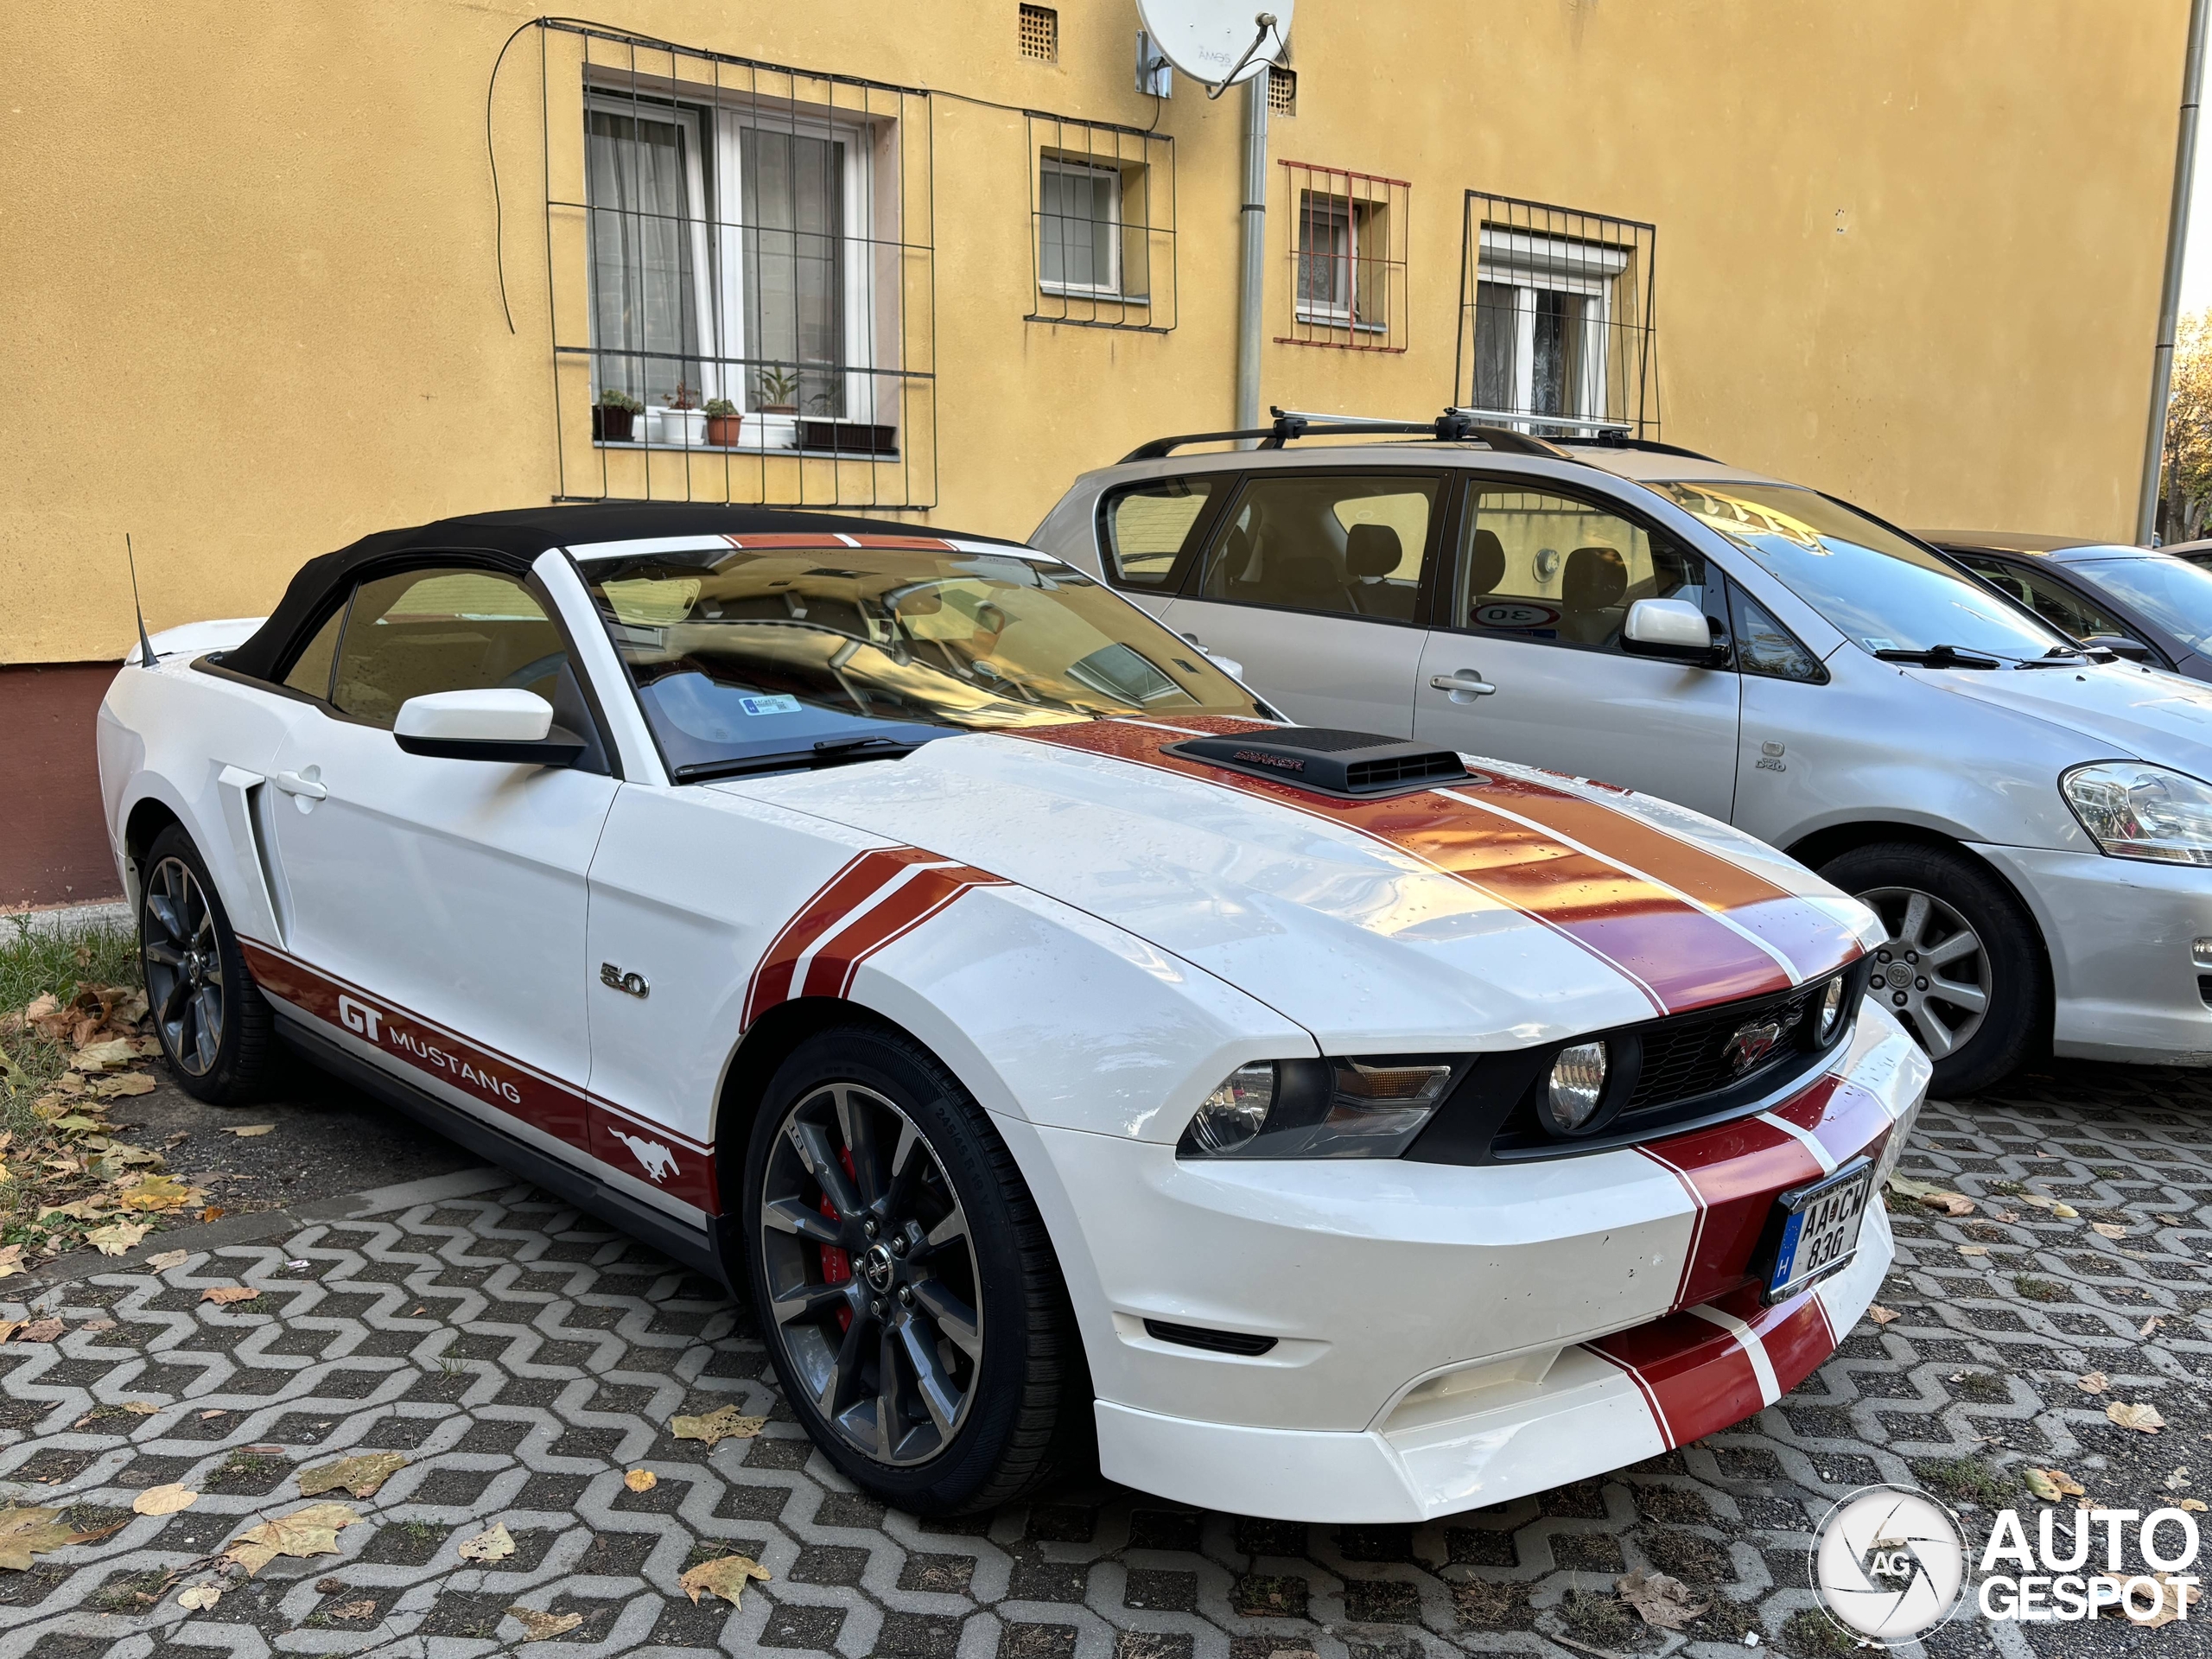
1681,956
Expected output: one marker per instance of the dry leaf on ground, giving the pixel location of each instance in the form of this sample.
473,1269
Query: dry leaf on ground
1664,1603
118,1237
224,1296
163,1500
495,1543
11,1261
2093,1383
2106,1230
2174,1601
168,1259
725,1577
200,1597
27,1532
244,1130
2065,1212
1951,1203
360,1475
1879,1314
159,1192
311,1531
2051,1484
127,1083
2194,1505
103,1056
716,1427
2150,1326
352,1610
1974,1249
35,1330
2145,1418
641,1480
543,1627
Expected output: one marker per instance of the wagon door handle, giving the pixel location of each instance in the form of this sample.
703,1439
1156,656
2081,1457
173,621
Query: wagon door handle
1467,682
293,783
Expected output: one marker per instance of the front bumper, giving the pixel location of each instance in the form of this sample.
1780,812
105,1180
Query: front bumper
1447,1337
2120,932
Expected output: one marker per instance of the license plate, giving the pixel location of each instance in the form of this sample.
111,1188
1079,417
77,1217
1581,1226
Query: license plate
1820,1229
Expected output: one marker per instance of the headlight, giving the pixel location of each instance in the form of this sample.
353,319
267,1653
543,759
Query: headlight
1577,1085
1831,1012
1319,1108
2133,810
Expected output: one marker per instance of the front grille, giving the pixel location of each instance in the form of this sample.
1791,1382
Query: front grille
1693,1058
1404,769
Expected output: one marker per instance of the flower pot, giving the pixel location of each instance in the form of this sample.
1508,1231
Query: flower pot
722,429
611,425
772,431
683,427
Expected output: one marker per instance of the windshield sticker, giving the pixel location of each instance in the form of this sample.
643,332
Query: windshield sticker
1514,614
1878,642
775,705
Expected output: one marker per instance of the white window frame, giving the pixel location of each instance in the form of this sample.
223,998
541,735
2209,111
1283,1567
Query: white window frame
1350,211
1530,263
1112,288
694,197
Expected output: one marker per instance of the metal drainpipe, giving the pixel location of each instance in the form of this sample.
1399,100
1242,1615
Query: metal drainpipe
2162,361
1252,276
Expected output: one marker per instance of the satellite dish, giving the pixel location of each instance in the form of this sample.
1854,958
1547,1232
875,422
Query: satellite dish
1213,41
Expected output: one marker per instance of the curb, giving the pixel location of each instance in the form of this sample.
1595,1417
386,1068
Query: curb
67,919
255,1228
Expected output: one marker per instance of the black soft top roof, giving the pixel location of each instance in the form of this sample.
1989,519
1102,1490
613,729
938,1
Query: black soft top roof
516,539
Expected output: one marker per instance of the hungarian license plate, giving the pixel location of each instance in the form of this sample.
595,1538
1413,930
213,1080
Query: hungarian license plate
1820,1229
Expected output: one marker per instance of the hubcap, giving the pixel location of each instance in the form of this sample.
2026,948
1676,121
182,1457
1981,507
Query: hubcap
1931,971
184,966
873,1289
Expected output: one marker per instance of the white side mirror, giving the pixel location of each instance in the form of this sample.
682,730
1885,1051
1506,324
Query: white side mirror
1668,627
489,723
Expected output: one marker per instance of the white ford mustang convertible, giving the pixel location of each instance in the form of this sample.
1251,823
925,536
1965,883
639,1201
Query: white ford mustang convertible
1046,1039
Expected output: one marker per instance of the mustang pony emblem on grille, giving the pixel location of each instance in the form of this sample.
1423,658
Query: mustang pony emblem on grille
1752,1044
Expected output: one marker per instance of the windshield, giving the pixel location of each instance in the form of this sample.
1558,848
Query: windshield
1885,592
812,651
2173,592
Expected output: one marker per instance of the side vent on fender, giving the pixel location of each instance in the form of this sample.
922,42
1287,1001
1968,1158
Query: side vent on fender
1214,1342
1328,761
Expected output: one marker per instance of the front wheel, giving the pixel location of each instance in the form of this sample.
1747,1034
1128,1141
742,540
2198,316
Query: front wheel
1961,966
904,1281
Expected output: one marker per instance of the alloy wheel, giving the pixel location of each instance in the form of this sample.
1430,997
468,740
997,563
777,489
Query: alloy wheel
871,1274
1931,971
184,966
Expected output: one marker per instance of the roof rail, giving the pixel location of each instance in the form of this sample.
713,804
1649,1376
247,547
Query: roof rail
1453,426
1603,434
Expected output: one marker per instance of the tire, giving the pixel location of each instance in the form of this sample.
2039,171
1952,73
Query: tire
1926,895
215,1030
1009,1403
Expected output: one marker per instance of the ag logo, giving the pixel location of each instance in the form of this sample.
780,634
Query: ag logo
1514,613
1889,1563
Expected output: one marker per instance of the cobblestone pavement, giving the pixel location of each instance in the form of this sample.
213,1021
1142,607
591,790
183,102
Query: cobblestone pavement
525,1358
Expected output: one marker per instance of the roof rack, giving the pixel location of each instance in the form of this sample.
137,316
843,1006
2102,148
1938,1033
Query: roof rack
1453,426
1603,434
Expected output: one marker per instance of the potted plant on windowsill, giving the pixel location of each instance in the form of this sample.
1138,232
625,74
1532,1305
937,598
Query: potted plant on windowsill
723,421
776,391
682,422
614,416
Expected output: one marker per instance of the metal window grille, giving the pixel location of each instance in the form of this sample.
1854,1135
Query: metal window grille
1348,258
1282,90
1040,34
744,232
1101,212
1555,318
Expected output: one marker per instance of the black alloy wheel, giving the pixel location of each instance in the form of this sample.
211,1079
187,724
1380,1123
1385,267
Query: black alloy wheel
903,1280
212,1022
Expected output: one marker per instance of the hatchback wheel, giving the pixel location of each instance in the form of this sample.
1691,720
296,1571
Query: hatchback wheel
904,1281
1961,964
210,1018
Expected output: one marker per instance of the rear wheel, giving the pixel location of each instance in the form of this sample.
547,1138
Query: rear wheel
1961,964
214,1028
903,1280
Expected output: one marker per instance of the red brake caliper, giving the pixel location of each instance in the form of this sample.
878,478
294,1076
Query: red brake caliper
837,1266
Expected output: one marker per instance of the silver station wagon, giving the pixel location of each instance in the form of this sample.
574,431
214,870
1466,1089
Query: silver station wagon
2031,820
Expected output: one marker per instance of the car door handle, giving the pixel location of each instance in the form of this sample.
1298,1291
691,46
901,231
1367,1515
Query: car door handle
1468,683
293,783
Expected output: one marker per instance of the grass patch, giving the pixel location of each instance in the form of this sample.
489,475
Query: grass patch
1603,1620
1811,1634
1965,1480
1983,1389
134,1592
2040,1290
1726,1620
2009,1188
57,963
1486,1605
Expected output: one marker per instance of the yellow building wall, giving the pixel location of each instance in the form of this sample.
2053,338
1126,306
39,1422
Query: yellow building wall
1909,253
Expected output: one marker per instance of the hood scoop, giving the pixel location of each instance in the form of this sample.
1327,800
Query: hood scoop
1355,765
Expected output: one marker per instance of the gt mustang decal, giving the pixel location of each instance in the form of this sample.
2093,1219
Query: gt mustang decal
881,895
1715,1364
1685,925
658,1162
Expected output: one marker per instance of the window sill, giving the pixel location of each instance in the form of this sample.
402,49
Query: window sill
1102,295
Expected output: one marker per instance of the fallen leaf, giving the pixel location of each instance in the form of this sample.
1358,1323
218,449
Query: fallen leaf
2178,1480
244,1130
2150,1326
641,1480
224,1296
178,1139
129,1083
2194,1505
2041,1484
213,1212
716,1427
360,1475
543,1627
495,1543
99,1057
311,1531
1664,1603
200,1597
2174,1601
353,1610
2002,1215
2093,1383
725,1577
11,1261
2169,1221
1905,1186
140,1408
27,1532
1974,1249
1951,1203
2106,1230
2144,1418
1879,1314
2065,1212
163,1500
36,1331
330,1587
118,1237
265,1450
159,1192
168,1259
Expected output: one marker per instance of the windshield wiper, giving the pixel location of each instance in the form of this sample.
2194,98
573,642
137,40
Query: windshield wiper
1938,657
829,752
2059,656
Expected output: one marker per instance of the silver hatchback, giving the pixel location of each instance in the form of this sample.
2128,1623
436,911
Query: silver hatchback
2032,824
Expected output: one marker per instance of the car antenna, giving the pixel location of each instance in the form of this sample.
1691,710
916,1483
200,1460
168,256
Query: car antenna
145,645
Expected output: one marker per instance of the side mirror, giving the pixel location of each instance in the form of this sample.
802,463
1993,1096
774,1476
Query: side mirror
1673,629
2120,644
493,724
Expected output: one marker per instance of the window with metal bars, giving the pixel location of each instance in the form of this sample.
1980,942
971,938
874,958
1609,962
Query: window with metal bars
1040,34
1282,91
1555,328
754,244
1348,241
1102,208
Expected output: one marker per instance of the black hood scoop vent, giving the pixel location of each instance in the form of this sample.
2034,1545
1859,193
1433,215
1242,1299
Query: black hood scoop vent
1358,765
